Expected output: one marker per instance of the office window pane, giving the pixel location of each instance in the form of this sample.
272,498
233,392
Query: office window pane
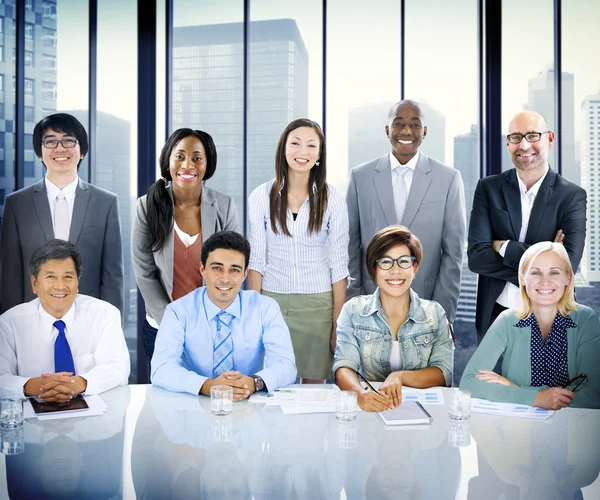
528,78
208,84
7,102
581,110
452,131
64,87
363,81
114,161
286,46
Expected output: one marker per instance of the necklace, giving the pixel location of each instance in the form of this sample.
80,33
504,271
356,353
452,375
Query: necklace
179,216
301,200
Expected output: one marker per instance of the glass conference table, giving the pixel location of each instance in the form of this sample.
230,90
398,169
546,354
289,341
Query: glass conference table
151,443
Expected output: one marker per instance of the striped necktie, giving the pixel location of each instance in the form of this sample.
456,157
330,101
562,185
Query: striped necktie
223,351
63,359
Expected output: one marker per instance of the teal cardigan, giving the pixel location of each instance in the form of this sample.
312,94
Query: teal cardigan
514,344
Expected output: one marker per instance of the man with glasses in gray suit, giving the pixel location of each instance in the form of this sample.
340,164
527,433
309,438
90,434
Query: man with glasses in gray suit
409,188
62,206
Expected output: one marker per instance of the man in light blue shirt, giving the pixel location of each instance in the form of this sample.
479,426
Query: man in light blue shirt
219,335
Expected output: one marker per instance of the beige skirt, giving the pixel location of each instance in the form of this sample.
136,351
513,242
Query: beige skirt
309,318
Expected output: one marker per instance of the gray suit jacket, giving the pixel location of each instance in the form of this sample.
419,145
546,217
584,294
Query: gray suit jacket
435,212
154,270
95,231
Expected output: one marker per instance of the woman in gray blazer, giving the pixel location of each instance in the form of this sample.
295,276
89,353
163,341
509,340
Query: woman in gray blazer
171,223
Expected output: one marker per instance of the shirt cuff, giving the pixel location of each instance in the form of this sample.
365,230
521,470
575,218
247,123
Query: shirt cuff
503,248
339,274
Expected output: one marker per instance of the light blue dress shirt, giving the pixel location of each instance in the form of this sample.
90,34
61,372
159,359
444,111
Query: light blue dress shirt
183,354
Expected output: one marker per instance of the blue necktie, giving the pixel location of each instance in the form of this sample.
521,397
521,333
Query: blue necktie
223,351
63,359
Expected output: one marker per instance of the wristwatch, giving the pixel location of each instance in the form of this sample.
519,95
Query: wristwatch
259,383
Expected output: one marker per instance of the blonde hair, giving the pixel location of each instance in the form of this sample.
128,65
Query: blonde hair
566,304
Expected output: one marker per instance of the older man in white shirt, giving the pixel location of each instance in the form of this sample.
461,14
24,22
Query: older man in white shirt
61,344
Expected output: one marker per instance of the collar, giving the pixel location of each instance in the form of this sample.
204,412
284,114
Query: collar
415,312
48,320
412,163
68,190
211,310
535,188
559,319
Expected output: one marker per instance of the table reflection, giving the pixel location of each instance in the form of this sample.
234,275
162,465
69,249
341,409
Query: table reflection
528,459
71,458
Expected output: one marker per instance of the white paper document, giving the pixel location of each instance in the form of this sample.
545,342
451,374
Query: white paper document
296,396
96,406
509,409
431,396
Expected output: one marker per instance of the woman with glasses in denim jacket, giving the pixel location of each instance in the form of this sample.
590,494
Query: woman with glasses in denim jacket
392,336
550,345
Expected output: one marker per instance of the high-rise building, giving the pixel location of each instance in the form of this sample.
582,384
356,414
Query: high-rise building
467,301
40,85
367,139
590,181
466,161
208,93
541,99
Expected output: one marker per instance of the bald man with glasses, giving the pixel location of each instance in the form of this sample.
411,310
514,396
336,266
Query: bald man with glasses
517,208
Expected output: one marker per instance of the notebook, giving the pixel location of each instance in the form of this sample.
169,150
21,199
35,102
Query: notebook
409,413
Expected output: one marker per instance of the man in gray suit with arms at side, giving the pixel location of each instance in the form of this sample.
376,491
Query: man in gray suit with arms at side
62,206
409,188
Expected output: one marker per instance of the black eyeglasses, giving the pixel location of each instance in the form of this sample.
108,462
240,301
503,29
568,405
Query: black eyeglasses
529,137
404,262
66,143
578,380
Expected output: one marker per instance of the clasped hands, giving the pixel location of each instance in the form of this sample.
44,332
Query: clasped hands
243,386
58,387
389,395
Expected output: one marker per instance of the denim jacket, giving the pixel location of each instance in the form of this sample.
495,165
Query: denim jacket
364,340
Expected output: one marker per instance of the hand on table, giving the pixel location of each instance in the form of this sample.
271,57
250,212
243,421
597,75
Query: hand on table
392,387
372,401
55,387
554,398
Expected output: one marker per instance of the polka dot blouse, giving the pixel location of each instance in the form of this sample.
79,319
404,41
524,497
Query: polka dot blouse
549,357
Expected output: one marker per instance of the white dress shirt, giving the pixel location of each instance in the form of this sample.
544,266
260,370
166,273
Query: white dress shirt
411,165
511,295
302,263
69,192
93,329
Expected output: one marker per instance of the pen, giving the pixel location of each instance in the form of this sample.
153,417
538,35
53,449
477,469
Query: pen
368,384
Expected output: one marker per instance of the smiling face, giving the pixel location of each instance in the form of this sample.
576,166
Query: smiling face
406,132
223,275
302,149
56,285
528,156
187,163
396,281
546,279
60,161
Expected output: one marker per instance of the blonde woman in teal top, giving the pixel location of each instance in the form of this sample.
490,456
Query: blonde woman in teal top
550,345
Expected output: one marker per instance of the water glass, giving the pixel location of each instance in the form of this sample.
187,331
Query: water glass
12,441
346,407
221,400
11,412
460,405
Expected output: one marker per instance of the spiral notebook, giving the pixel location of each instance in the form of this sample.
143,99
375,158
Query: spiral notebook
409,413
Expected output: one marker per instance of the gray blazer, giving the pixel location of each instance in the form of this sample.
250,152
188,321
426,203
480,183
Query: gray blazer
435,213
154,270
95,231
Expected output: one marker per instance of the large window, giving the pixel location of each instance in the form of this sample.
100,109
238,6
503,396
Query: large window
114,160
581,125
208,84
